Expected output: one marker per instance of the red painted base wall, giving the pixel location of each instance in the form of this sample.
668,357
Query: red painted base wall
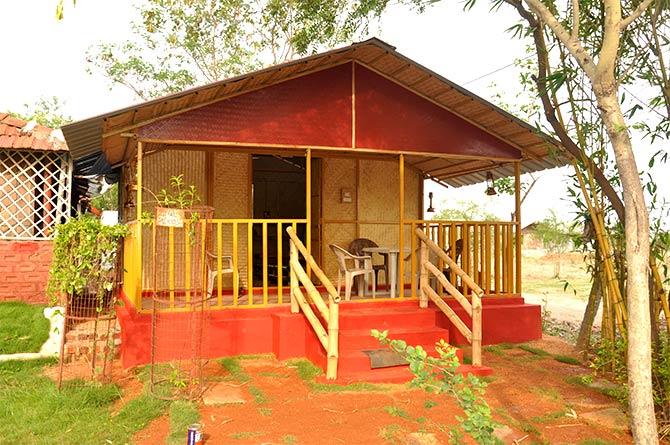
24,270
275,330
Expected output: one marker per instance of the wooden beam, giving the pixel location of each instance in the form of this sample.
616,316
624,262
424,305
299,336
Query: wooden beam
401,223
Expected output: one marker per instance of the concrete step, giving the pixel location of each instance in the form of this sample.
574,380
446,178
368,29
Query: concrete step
386,318
357,339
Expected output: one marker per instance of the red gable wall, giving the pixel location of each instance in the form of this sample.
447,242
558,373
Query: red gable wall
311,110
391,117
315,110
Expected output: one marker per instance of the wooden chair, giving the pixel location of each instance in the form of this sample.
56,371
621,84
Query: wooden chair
351,266
356,247
212,270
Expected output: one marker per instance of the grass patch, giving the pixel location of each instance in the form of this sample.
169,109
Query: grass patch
567,359
428,404
534,350
390,433
259,396
580,380
234,368
352,387
245,435
396,412
274,375
182,414
23,327
32,410
499,348
306,370
549,417
467,360
265,411
594,442
289,439
551,393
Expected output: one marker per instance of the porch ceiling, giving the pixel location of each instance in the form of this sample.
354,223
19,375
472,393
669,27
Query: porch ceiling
106,133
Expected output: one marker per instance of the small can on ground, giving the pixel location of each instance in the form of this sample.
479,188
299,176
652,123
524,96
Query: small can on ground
194,435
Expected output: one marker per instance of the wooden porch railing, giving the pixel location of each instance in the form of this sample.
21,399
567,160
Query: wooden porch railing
488,252
473,309
328,335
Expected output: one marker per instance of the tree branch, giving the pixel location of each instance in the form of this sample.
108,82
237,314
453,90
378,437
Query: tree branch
572,44
574,34
635,14
550,113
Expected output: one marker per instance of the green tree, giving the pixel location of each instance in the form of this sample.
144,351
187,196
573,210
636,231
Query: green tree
465,211
46,111
556,236
182,43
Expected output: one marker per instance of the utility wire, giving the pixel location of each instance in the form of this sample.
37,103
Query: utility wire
497,70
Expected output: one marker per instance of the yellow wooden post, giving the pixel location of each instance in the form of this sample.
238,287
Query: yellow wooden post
440,261
423,281
412,258
236,271
250,264
517,220
187,265
171,264
219,263
138,215
280,272
295,286
496,257
333,340
265,263
401,221
308,205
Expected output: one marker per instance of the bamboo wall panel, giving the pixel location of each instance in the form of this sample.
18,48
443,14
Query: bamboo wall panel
338,174
156,172
230,181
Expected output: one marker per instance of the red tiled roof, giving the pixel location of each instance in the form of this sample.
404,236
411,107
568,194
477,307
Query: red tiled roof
18,134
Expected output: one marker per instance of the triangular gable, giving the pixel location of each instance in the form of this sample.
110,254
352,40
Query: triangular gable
391,117
315,110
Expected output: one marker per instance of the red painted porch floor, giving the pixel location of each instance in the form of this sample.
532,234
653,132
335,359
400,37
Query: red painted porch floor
533,395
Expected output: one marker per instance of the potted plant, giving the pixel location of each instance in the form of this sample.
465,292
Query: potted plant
175,201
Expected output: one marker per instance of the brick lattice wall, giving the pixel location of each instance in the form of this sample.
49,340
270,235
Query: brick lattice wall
24,270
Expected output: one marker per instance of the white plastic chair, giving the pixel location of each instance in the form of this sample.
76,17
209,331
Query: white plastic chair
352,266
212,270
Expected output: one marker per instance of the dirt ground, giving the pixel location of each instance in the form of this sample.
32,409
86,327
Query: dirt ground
533,394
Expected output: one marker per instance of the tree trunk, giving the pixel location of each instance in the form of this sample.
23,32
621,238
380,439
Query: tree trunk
637,262
584,338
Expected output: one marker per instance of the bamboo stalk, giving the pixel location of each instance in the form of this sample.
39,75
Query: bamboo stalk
315,267
449,312
486,258
517,220
312,292
423,280
333,338
311,317
476,331
451,289
412,259
496,258
465,255
171,264
401,239
294,284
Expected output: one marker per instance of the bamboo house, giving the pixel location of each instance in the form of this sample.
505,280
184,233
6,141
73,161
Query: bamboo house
298,159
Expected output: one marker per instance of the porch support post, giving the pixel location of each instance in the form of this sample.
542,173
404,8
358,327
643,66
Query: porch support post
401,221
308,205
517,220
138,217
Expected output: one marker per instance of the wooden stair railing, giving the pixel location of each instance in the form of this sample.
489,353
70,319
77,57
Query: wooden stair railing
327,335
473,309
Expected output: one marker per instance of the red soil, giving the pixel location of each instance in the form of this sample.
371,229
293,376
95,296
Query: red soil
526,393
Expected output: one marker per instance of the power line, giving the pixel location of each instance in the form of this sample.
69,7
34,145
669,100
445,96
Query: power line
498,70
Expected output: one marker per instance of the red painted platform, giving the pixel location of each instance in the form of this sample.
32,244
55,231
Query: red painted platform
276,330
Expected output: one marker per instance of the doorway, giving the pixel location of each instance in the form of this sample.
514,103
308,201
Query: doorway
278,190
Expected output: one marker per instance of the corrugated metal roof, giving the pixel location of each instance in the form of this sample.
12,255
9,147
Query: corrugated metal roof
86,137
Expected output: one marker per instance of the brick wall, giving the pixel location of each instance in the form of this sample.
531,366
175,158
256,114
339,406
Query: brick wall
24,270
